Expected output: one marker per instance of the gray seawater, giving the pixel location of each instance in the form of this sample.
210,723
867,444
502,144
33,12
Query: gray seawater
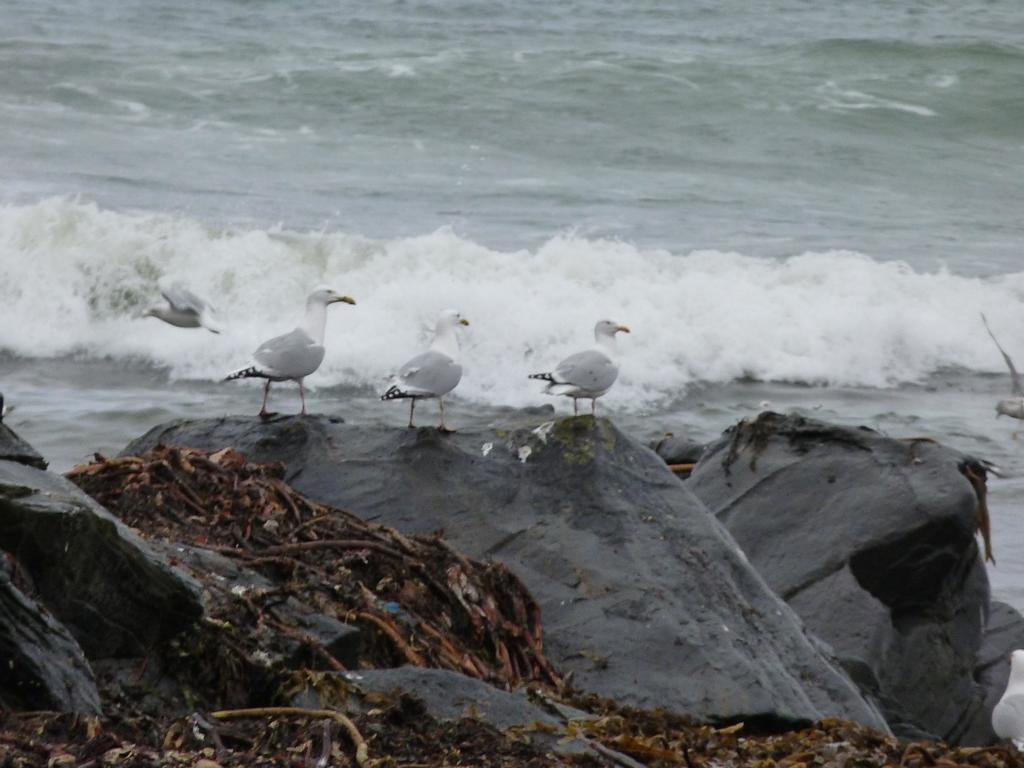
769,127
807,203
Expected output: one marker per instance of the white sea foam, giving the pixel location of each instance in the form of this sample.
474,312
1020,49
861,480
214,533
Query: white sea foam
838,99
74,278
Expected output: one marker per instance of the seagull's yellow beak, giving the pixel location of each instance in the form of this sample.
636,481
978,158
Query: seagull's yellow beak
463,321
622,328
346,299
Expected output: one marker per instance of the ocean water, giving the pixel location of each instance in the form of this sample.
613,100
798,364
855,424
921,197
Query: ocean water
802,203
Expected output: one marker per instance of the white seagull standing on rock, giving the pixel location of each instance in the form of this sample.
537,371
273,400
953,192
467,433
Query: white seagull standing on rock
433,373
1008,715
294,355
184,310
587,374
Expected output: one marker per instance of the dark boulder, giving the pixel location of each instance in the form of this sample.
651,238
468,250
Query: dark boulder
872,541
108,588
645,598
42,665
13,448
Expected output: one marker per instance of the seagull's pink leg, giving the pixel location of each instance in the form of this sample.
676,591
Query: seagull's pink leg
302,396
266,392
412,407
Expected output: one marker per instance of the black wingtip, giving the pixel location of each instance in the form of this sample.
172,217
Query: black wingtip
542,377
393,393
246,373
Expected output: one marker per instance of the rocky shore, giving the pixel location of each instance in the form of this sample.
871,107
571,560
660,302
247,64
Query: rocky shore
300,591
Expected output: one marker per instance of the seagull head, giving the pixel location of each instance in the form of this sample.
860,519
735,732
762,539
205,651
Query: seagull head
327,296
451,317
608,329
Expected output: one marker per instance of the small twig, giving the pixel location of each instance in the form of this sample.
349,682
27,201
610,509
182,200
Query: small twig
682,469
307,640
285,492
303,546
407,650
255,712
308,523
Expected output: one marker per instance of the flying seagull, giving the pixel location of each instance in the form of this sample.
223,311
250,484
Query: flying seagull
294,355
587,374
433,373
184,310
1014,406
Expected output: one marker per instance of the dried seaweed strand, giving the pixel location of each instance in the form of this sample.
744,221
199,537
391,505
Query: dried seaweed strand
362,753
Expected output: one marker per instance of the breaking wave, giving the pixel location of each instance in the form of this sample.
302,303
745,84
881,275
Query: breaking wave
74,280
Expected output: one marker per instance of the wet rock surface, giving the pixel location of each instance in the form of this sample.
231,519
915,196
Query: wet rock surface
13,448
98,578
43,667
644,597
872,541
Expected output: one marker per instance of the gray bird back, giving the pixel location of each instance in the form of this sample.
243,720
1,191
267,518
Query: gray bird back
183,300
591,370
432,373
290,356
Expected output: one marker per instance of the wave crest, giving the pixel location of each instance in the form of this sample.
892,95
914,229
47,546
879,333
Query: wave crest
74,280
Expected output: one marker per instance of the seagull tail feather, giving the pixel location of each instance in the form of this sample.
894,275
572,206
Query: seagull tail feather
245,373
394,393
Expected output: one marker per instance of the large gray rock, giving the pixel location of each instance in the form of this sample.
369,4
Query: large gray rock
42,665
872,541
115,596
644,596
13,448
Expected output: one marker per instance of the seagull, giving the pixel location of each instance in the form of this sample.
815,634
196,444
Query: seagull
184,310
433,373
586,374
1014,406
295,355
1008,715
3,407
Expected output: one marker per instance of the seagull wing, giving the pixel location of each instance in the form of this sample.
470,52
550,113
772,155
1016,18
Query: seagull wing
184,300
1018,391
430,374
590,370
289,356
